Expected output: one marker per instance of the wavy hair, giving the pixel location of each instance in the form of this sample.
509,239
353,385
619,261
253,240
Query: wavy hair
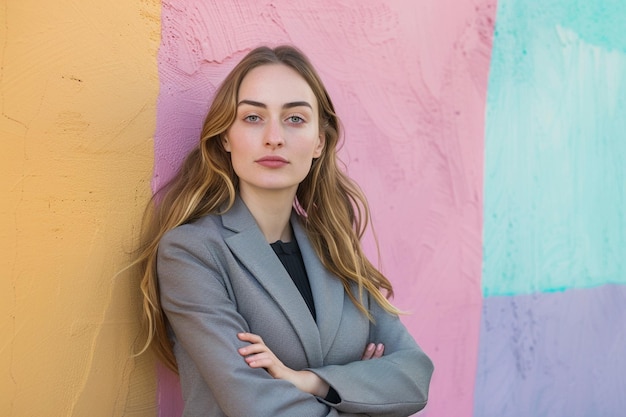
331,206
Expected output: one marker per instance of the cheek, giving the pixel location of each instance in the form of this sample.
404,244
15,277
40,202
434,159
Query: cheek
236,145
236,158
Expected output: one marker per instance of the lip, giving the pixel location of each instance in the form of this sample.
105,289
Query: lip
272,161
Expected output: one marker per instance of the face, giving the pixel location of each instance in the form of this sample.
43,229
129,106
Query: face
276,133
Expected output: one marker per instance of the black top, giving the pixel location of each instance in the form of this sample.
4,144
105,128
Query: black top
291,258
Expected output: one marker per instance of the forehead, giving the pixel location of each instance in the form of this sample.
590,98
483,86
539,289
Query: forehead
275,83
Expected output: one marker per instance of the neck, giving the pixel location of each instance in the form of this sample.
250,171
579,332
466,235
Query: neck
271,212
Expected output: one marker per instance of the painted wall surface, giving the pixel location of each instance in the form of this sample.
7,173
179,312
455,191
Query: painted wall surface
553,354
409,80
555,174
78,87
552,332
523,316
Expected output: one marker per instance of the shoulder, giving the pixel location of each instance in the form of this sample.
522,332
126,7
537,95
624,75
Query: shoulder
206,226
192,250
204,232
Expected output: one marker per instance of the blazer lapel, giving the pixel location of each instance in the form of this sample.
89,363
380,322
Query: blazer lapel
249,245
327,289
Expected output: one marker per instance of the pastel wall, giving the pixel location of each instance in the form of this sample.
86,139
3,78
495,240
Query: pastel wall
78,87
519,299
552,331
409,80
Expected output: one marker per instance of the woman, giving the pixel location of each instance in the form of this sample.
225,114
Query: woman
256,288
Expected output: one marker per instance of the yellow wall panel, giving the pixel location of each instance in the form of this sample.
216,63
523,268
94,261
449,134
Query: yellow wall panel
78,92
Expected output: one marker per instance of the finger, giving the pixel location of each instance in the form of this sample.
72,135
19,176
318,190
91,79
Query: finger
260,360
378,352
369,351
252,349
250,337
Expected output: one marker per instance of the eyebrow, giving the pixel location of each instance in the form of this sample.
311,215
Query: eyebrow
285,106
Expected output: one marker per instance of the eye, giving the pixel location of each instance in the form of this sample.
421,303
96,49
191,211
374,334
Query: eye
252,118
295,119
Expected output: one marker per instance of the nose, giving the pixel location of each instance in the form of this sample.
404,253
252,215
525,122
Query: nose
274,137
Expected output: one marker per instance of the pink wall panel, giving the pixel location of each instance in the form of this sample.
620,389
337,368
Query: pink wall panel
409,80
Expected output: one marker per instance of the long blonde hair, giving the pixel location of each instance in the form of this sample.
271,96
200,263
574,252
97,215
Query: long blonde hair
333,210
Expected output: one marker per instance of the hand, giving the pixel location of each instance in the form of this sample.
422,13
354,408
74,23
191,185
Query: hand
373,351
258,355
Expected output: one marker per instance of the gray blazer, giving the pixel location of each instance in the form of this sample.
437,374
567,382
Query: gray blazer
218,276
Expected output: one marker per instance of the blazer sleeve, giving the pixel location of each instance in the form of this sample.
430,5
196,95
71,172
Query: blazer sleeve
194,296
394,385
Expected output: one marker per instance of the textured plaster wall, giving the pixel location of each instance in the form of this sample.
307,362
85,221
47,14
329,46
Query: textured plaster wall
539,331
78,88
409,80
552,330
555,147
545,281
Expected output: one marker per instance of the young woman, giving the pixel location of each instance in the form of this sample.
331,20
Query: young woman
256,288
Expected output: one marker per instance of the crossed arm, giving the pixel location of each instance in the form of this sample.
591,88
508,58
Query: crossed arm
195,297
258,355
